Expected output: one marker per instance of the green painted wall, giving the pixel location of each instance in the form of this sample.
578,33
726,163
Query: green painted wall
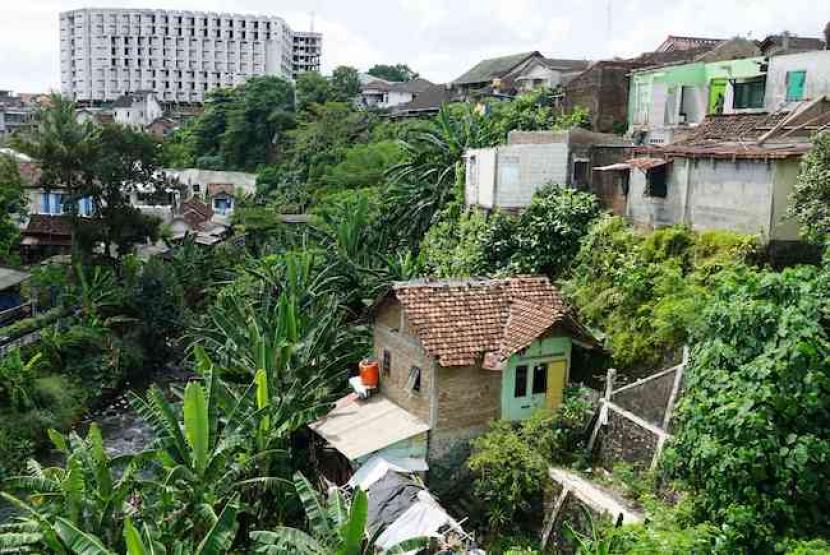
696,74
546,349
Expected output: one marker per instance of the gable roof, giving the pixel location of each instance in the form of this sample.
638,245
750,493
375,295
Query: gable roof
55,226
494,68
416,85
565,64
428,100
462,323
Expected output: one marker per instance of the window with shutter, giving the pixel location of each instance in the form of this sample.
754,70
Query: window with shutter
795,85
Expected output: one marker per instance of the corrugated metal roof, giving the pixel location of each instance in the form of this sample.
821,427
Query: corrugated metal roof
10,278
358,427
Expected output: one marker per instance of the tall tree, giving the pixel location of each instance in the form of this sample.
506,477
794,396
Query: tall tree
263,109
127,160
12,201
312,88
64,149
397,72
345,82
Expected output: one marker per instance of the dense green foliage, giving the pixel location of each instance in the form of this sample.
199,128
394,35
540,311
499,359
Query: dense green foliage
240,129
544,238
811,197
274,321
754,436
643,292
345,84
397,72
12,205
511,460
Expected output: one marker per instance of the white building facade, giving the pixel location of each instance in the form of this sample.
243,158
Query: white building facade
180,55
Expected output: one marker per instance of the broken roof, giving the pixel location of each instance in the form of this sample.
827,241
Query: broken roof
732,127
494,68
790,44
676,42
461,323
357,427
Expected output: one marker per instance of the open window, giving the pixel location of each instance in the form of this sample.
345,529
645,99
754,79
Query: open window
520,387
413,384
749,93
580,174
540,379
656,181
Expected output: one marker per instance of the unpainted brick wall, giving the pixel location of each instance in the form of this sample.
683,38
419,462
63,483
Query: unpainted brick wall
406,352
468,397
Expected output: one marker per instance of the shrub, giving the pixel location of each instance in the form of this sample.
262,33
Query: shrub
643,292
510,461
545,238
753,440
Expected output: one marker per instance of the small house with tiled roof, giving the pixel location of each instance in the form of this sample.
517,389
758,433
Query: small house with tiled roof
456,355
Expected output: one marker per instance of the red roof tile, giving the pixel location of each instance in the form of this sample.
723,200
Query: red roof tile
461,322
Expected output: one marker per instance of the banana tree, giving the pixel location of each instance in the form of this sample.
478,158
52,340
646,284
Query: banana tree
336,527
90,493
206,453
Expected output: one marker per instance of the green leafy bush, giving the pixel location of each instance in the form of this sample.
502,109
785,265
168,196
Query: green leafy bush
753,440
510,461
643,292
811,195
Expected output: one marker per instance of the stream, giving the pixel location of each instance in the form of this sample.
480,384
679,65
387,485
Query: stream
123,429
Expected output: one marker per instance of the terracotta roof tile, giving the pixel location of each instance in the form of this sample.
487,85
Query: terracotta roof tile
459,322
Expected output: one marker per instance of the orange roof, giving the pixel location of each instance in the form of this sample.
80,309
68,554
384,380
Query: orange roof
461,323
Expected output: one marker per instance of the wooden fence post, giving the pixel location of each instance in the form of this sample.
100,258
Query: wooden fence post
602,418
675,390
550,524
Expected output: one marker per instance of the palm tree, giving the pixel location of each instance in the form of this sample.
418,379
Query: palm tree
425,182
336,527
64,148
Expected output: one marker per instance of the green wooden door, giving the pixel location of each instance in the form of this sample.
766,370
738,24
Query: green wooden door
717,95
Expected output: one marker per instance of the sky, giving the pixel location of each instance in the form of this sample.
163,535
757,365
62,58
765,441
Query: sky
440,39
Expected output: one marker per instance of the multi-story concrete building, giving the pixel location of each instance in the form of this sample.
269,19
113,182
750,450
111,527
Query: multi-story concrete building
14,113
307,48
180,55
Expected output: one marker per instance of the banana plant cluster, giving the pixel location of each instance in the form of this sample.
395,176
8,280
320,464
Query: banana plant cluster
337,526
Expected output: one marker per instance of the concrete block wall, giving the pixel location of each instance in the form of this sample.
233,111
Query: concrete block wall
622,440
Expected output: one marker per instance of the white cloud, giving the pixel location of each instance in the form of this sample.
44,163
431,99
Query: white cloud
438,38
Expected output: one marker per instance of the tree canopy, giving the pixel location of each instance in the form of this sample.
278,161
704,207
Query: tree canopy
397,72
